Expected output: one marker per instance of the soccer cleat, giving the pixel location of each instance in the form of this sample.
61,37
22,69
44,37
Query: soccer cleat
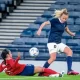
54,75
40,74
72,73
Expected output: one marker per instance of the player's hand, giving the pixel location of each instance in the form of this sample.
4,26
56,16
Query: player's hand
3,65
18,54
73,34
38,32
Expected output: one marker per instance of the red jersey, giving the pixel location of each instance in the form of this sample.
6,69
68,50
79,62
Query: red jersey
13,67
2,66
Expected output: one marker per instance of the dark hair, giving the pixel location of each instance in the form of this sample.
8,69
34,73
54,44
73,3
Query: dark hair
4,54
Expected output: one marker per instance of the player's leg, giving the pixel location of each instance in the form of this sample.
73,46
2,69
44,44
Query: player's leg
69,52
64,48
52,47
51,59
45,71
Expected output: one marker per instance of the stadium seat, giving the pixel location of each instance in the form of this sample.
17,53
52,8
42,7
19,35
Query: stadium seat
60,3
40,20
36,41
73,3
18,46
70,21
2,7
65,34
77,21
47,28
74,14
74,42
19,41
47,14
74,28
68,1
15,55
43,34
54,7
27,33
77,8
63,41
76,57
33,26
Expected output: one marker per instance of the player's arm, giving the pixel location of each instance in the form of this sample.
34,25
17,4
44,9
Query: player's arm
41,27
2,66
69,32
13,63
17,59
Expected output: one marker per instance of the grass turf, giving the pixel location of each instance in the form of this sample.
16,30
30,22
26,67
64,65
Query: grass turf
65,77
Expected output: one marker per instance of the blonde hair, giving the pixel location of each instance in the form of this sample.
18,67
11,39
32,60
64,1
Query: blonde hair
59,13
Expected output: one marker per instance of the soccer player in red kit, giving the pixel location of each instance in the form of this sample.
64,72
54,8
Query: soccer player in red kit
12,67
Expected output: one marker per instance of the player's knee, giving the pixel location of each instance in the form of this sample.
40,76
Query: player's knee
70,52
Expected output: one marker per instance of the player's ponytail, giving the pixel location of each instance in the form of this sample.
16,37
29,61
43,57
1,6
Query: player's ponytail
4,54
59,13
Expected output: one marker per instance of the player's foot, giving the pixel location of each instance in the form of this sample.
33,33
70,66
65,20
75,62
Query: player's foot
54,75
72,73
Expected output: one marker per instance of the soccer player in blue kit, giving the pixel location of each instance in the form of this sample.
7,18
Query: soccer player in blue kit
58,26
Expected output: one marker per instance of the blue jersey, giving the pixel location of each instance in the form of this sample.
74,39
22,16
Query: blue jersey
56,31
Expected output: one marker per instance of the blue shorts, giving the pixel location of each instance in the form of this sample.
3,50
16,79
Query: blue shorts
28,70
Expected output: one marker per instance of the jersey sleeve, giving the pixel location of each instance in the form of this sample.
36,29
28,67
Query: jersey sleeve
13,63
18,58
2,66
10,62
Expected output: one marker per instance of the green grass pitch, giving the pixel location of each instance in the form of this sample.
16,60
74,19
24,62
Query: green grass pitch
65,77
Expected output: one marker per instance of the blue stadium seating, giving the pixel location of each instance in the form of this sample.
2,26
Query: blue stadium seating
43,34
28,37
70,21
77,21
2,7
21,55
19,41
48,14
27,33
74,28
40,20
7,6
74,14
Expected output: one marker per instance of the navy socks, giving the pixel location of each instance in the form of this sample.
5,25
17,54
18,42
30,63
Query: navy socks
46,65
69,63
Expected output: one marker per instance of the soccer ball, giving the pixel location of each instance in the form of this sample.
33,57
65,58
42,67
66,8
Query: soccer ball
33,51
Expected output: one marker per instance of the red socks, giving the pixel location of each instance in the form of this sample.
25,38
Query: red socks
47,72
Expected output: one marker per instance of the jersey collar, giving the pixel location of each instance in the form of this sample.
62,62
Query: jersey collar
60,20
